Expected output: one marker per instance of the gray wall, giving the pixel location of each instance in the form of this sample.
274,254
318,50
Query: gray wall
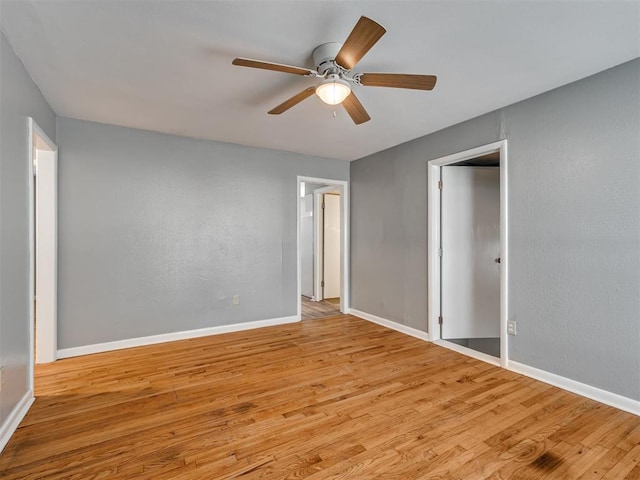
157,232
574,213
19,99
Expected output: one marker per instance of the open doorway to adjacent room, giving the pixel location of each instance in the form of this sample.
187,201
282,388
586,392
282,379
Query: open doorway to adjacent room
43,188
322,240
468,252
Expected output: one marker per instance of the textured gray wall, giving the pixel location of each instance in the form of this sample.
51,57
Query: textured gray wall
389,223
574,200
19,99
157,232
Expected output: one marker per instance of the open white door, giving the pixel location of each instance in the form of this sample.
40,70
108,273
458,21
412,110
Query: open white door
470,242
331,246
306,245
43,234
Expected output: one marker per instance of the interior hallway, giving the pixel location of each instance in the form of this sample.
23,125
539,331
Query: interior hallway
324,308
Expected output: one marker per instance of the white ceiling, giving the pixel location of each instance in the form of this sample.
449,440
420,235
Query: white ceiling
166,65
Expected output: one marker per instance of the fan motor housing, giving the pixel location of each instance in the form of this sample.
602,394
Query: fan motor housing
324,56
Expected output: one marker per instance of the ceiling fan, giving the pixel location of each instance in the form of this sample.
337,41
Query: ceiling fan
334,62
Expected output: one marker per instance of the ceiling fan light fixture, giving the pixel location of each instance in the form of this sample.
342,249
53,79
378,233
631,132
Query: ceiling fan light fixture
333,91
334,63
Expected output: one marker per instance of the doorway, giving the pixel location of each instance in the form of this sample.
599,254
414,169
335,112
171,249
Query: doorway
43,185
327,248
322,247
470,251
467,252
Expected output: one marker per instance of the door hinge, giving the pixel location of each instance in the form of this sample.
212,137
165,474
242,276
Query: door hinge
323,205
440,184
440,252
35,167
322,283
440,320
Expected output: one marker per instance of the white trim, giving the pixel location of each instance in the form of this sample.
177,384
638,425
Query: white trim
345,283
433,240
504,253
433,244
608,398
170,337
469,352
12,422
46,257
328,181
33,130
398,327
594,393
32,253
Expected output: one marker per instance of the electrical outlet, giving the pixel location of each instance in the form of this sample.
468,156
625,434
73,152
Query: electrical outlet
235,300
511,327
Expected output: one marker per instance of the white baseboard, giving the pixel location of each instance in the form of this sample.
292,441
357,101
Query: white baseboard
170,337
594,393
608,398
469,352
12,422
414,332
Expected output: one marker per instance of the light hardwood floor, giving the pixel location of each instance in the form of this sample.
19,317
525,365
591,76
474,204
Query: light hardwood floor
320,399
324,308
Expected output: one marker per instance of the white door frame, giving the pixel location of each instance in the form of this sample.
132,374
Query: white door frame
341,186
433,245
47,333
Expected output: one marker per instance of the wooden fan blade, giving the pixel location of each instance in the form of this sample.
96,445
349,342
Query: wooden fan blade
355,109
296,99
363,36
276,67
398,80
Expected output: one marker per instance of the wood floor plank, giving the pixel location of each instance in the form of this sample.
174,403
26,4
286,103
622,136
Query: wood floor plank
324,308
325,398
